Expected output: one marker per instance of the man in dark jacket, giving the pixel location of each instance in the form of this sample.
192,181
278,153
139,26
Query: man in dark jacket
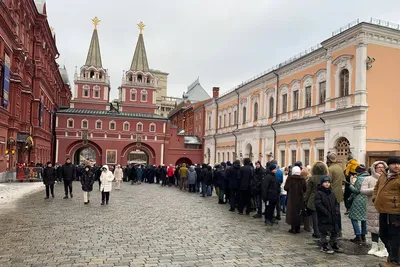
68,174
220,182
245,176
203,178
232,176
49,179
256,187
198,172
270,193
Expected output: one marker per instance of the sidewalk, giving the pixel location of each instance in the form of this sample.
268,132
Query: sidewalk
11,192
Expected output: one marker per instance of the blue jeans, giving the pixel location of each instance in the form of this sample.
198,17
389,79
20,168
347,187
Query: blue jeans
283,203
206,190
356,227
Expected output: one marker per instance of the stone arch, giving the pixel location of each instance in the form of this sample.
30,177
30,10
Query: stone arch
142,147
248,151
185,160
343,150
79,145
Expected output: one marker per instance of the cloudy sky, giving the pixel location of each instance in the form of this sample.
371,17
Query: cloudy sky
221,41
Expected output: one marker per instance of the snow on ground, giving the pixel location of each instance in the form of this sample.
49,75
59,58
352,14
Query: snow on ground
11,192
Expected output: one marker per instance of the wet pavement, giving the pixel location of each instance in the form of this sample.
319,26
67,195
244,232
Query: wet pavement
150,225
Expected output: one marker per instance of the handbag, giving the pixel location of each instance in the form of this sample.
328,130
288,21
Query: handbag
350,200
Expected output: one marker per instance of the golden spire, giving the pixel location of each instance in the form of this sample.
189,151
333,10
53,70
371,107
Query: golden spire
96,22
141,27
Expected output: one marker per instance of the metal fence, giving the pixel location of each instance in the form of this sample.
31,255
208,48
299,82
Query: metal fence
31,174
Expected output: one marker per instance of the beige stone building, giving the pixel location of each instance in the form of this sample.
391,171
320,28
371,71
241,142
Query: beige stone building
337,96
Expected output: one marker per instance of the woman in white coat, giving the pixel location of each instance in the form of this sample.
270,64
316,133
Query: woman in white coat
118,174
106,179
367,189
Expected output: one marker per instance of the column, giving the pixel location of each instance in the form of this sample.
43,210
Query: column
162,154
361,71
328,79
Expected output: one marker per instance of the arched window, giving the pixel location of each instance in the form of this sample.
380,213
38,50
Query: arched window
70,123
244,115
271,108
112,125
143,96
92,74
152,127
133,94
130,78
139,78
139,127
344,83
255,117
99,124
126,126
84,124
85,91
96,92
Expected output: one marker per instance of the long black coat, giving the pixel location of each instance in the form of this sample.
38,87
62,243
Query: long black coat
296,187
245,176
232,176
257,181
220,178
87,181
49,175
327,210
209,176
270,188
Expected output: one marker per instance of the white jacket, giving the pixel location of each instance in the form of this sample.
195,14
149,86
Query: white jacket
283,192
106,179
118,174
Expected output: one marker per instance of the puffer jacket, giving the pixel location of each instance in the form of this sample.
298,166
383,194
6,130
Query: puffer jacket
192,176
106,179
386,195
367,189
318,170
358,209
183,171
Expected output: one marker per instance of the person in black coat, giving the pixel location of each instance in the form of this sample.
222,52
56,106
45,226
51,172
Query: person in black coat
49,179
198,172
328,215
202,178
256,187
220,183
87,181
68,174
270,193
245,176
208,181
232,176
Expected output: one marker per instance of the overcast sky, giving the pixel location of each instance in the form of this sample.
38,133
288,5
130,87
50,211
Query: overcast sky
221,41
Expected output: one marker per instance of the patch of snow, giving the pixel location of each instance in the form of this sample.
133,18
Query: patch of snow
11,192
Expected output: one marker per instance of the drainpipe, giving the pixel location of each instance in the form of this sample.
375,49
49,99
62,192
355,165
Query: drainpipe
276,113
216,131
165,136
236,122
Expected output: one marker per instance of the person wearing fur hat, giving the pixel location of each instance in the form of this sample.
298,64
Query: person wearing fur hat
358,207
367,189
328,215
386,198
337,179
295,187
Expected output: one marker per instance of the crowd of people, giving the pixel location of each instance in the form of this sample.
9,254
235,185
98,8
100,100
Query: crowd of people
310,196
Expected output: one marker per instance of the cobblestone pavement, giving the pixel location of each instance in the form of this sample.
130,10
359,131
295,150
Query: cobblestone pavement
149,225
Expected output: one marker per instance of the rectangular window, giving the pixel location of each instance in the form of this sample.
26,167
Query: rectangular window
112,126
306,157
96,94
224,120
294,156
84,124
308,96
235,117
144,97
223,157
229,119
70,124
283,158
218,158
98,125
322,92
85,92
219,122
227,156
321,155
295,100
209,123
284,103
126,127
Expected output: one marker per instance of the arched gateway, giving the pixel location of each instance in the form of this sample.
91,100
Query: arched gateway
83,152
138,153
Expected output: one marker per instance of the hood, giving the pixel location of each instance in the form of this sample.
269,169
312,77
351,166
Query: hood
351,167
236,166
105,166
373,172
319,168
191,169
183,165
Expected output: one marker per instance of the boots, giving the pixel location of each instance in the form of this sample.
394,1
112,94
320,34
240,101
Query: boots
374,248
357,240
363,239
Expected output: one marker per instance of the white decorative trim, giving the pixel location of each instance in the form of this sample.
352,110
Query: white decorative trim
87,124
109,125
321,77
152,124
129,126
342,62
101,125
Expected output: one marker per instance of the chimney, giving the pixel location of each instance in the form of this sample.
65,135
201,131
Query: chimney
215,92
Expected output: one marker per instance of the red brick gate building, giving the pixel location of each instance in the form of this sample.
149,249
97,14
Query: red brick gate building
122,132
31,85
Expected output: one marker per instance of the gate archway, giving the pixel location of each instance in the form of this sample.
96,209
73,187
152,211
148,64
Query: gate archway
187,161
74,150
141,153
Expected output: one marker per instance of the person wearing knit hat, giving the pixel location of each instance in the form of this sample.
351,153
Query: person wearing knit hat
387,202
327,209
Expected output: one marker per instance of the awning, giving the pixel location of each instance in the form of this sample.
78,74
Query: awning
192,140
24,138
